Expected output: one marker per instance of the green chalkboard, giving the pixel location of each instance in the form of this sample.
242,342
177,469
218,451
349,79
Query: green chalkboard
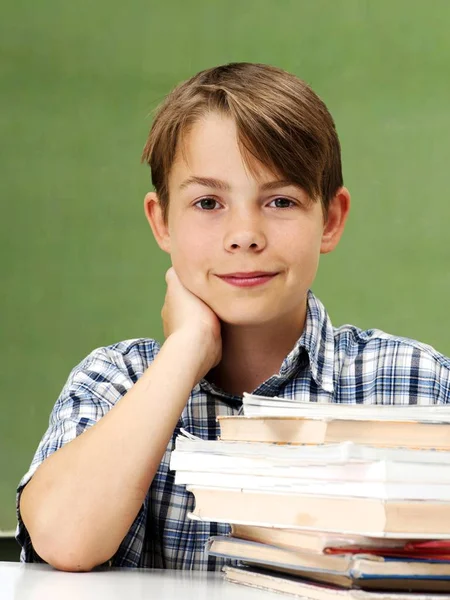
79,79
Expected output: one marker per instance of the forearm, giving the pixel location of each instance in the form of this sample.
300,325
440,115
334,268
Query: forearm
83,499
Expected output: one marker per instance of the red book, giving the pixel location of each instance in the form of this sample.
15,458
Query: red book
430,546
433,549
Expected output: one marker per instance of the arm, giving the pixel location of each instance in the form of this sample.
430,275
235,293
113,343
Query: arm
67,505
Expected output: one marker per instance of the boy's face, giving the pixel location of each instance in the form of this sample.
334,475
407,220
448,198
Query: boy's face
225,225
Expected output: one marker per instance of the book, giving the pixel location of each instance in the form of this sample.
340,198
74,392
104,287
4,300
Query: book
265,580
319,542
313,429
369,472
438,547
429,549
342,453
378,474
345,570
361,489
274,462
362,516
281,407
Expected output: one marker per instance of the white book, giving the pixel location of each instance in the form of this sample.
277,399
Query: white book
281,407
294,468
366,489
338,454
382,473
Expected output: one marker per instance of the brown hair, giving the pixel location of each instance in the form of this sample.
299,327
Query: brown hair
280,121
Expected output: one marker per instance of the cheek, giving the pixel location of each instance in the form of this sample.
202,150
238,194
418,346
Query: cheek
192,257
191,250
302,242
303,251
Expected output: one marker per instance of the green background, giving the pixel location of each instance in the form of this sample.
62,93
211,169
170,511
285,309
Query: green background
79,80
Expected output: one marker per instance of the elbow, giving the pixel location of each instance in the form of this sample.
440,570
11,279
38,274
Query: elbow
64,560
63,545
70,563
66,556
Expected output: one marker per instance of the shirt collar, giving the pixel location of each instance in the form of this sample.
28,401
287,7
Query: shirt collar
318,341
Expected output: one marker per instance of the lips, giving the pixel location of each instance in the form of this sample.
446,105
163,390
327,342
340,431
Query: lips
250,274
248,279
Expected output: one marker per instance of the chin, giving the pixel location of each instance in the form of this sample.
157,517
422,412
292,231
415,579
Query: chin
242,318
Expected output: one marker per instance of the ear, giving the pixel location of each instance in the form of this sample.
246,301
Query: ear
154,214
338,210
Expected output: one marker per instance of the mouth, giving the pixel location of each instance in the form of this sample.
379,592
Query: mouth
249,279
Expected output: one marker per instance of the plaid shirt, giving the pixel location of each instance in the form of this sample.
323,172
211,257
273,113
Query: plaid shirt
327,364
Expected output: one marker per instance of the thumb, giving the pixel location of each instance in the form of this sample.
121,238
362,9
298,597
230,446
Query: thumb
169,274
174,282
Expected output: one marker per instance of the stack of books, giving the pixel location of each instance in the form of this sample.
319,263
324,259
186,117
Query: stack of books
327,501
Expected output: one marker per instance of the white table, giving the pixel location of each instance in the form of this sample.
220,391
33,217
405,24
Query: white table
42,582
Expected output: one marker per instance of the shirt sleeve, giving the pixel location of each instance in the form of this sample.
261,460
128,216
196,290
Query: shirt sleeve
92,389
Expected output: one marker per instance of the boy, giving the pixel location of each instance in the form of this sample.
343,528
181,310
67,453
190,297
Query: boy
246,165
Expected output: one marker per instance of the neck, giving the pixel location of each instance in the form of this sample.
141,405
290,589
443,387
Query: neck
253,353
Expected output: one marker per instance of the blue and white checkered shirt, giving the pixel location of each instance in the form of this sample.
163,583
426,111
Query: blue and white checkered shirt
345,365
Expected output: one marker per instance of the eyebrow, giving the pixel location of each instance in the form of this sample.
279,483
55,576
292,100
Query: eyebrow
206,182
218,184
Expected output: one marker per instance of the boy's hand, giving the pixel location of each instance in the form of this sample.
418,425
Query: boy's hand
184,314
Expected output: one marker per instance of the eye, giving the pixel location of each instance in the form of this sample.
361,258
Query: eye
282,202
207,204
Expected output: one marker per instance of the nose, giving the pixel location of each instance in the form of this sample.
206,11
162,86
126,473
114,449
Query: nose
245,233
